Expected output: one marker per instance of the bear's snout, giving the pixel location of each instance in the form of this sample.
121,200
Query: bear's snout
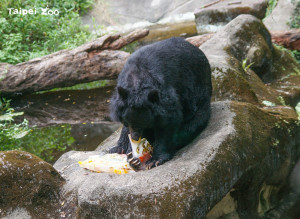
135,135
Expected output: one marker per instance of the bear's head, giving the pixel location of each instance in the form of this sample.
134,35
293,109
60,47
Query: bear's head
134,109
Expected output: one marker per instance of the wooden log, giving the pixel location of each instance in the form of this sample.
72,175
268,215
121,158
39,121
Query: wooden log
96,60
200,39
288,39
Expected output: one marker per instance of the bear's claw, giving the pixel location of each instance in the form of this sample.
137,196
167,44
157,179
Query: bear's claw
134,162
153,163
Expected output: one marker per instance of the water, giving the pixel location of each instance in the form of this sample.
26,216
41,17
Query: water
65,120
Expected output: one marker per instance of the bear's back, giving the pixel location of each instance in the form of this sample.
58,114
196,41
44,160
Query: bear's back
172,61
175,67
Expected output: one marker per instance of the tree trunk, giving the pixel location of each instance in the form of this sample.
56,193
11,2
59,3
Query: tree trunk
96,60
200,39
289,39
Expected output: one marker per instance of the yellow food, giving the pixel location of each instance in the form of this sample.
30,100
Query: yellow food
108,163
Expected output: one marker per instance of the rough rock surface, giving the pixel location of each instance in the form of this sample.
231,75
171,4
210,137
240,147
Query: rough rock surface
28,186
243,158
246,40
281,15
120,12
214,17
200,174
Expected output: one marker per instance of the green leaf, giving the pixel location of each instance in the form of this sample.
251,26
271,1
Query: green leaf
298,109
20,134
9,116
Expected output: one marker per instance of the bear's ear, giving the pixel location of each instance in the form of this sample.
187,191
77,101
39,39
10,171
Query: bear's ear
123,92
153,96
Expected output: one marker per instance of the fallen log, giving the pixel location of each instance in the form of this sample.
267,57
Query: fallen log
200,39
96,60
289,39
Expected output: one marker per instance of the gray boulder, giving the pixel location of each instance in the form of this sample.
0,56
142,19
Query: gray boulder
116,12
246,66
214,17
281,15
29,186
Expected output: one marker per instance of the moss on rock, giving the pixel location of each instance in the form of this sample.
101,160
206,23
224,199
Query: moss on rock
27,181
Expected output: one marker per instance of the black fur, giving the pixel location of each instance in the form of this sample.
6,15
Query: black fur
163,94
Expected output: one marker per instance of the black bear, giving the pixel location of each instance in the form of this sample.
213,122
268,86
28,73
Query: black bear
163,94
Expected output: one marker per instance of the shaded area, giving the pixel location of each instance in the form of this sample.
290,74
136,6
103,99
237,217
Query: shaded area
64,120
61,107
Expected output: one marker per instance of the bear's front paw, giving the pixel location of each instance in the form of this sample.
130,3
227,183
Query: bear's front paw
157,160
153,163
117,149
134,162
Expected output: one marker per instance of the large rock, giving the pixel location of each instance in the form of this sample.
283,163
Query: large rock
239,143
116,12
281,15
164,19
237,167
246,40
215,16
29,187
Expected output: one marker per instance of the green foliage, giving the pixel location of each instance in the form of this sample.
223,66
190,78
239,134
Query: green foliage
9,131
271,5
297,108
23,37
82,86
293,53
131,47
43,142
245,66
295,21
281,100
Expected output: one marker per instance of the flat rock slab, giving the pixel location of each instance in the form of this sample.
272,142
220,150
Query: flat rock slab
215,16
188,185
